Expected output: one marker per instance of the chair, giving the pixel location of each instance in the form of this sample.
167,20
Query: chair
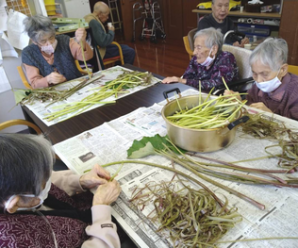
10,123
23,77
82,71
188,42
293,69
25,80
242,57
112,60
6,124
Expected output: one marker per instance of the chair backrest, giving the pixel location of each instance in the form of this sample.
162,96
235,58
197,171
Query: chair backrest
293,69
190,36
242,57
188,42
187,47
23,77
15,122
116,58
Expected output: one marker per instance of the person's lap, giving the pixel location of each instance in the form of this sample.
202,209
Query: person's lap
128,53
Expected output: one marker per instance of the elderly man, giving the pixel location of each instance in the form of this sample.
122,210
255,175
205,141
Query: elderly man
103,38
219,19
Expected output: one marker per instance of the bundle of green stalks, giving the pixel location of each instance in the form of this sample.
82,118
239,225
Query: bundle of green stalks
124,81
191,218
210,113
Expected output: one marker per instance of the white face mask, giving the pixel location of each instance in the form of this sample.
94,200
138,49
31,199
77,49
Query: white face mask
269,86
208,61
42,196
49,49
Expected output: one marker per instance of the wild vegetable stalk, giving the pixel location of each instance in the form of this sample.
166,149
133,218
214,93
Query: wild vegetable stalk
191,217
114,87
214,113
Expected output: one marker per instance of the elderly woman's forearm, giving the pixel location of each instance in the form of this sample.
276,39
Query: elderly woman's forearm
76,50
35,79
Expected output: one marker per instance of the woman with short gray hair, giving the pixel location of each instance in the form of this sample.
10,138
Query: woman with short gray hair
275,90
68,214
209,64
51,59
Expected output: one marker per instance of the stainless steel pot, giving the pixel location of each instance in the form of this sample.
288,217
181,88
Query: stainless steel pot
197,140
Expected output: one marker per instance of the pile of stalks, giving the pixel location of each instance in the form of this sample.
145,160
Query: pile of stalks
52,95
210,113
191,218
112,88
259,126
206,170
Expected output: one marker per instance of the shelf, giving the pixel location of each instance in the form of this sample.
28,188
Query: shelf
243,14
271,25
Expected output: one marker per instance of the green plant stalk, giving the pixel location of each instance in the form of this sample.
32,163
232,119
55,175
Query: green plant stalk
169,169
232,191
233,166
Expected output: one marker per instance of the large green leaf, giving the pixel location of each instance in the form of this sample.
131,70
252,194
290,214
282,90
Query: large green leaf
148,145
20,95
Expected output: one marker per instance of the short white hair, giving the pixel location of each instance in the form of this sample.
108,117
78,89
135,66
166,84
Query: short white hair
213,37
273,52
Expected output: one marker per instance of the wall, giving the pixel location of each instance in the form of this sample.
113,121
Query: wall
8,110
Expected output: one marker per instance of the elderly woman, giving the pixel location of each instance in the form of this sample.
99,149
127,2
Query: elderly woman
50,59
275,90
209,63
64,219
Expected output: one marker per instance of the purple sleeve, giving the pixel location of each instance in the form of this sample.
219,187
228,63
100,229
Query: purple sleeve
225,66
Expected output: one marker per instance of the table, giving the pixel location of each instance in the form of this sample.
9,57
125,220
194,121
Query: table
278,219
96,117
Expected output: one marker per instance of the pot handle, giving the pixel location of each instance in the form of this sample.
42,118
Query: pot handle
165,93
233,124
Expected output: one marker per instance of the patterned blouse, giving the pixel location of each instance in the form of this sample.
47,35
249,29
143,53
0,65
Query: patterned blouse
223,66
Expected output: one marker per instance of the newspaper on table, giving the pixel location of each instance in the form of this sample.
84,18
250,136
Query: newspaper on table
40,109
109,142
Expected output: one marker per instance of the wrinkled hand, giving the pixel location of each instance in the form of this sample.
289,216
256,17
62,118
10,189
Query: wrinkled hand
80,34
236,44
112,28
230,92
106,193
97,176
244,41
55,78
169,80
261,106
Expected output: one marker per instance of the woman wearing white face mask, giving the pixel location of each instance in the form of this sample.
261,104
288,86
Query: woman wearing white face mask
209,63
70,216
275,90
50,59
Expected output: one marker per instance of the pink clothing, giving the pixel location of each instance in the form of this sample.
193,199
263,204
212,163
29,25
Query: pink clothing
283,101
30,230
38,81
103,231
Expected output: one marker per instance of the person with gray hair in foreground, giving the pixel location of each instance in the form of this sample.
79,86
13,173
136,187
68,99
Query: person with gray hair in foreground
275,90
68,214
209,64
51,59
